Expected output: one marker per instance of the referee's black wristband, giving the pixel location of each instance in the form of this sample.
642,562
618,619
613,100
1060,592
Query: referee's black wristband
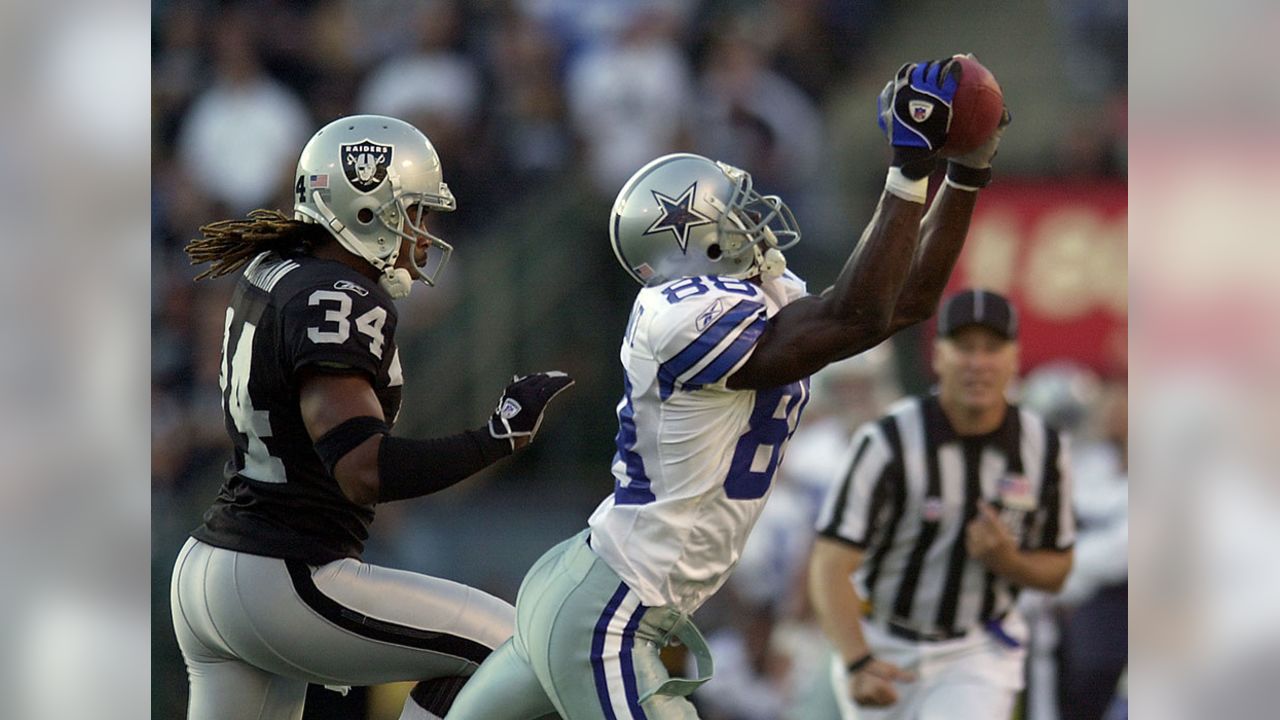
967,177
860,663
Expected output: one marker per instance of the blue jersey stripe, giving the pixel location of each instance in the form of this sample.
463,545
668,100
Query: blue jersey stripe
597,650
633,494
628,666
637,490
695,351
718,368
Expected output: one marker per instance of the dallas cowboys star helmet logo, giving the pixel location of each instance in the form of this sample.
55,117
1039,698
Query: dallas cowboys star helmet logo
678,215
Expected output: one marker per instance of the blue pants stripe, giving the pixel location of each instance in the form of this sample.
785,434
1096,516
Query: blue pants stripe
628,667
597,650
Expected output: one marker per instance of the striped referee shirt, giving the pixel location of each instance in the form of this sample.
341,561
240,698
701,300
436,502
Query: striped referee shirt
908,487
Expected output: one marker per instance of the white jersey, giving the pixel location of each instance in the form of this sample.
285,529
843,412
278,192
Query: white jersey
695,459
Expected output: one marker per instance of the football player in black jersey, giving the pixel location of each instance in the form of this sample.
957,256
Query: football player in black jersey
269,593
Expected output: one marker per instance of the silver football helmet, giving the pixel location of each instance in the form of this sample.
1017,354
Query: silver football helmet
684,214
359,176
1062,392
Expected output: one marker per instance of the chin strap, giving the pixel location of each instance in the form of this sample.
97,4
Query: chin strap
396,281
772,263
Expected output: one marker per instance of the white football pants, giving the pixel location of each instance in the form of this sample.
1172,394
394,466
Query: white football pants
974,677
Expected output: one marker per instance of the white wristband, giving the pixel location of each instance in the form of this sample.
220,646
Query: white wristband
905,188
958,186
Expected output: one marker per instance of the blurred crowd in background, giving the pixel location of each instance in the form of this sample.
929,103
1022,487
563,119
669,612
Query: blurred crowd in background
540,109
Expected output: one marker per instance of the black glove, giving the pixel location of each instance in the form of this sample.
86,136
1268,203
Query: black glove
519,411
915,112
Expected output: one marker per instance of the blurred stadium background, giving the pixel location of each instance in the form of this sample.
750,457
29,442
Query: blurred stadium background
77,598
540,109
79,199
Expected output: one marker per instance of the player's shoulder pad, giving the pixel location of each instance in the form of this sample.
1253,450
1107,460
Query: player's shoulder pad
685,309
319,288
332,316
702,328
313,274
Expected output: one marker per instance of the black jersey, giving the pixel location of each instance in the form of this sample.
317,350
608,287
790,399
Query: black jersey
290,313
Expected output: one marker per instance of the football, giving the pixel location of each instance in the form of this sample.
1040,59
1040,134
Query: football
975,110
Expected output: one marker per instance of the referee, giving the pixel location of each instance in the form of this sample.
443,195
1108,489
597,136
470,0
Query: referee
943,509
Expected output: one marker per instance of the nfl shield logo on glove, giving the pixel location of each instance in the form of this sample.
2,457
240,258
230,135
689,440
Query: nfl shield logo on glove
920,110
509,408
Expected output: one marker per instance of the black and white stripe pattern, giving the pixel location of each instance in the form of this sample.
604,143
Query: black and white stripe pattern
908,487
359,623
267,269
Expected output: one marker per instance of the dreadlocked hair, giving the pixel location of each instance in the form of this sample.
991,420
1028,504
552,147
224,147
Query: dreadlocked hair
230,244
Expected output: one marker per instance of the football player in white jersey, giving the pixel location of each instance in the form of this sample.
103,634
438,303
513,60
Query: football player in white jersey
716,359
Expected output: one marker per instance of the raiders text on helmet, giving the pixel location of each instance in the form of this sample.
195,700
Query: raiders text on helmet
358,176
683,215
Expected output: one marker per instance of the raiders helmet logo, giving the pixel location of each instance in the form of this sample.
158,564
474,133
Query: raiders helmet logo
365,164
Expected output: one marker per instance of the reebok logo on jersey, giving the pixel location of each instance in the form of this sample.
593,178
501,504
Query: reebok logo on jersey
348,285
710,315
920,110
509,408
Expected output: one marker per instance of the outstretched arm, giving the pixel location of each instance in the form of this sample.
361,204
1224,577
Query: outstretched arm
345,421
852,315
942,235
859,311
943,232
896,274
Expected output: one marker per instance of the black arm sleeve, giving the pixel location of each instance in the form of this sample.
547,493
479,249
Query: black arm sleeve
412,468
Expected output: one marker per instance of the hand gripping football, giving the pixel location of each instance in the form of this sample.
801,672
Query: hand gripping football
976,109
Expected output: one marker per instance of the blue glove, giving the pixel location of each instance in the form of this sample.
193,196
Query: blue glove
915,112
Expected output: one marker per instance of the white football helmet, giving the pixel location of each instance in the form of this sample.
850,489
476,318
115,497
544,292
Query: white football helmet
684,215
358,176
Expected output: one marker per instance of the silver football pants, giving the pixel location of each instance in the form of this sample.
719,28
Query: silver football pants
584,647
255,630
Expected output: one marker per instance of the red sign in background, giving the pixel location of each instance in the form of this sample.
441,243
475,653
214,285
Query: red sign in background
1059,251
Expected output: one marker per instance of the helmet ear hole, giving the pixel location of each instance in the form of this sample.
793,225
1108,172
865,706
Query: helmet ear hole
365,215
713,251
